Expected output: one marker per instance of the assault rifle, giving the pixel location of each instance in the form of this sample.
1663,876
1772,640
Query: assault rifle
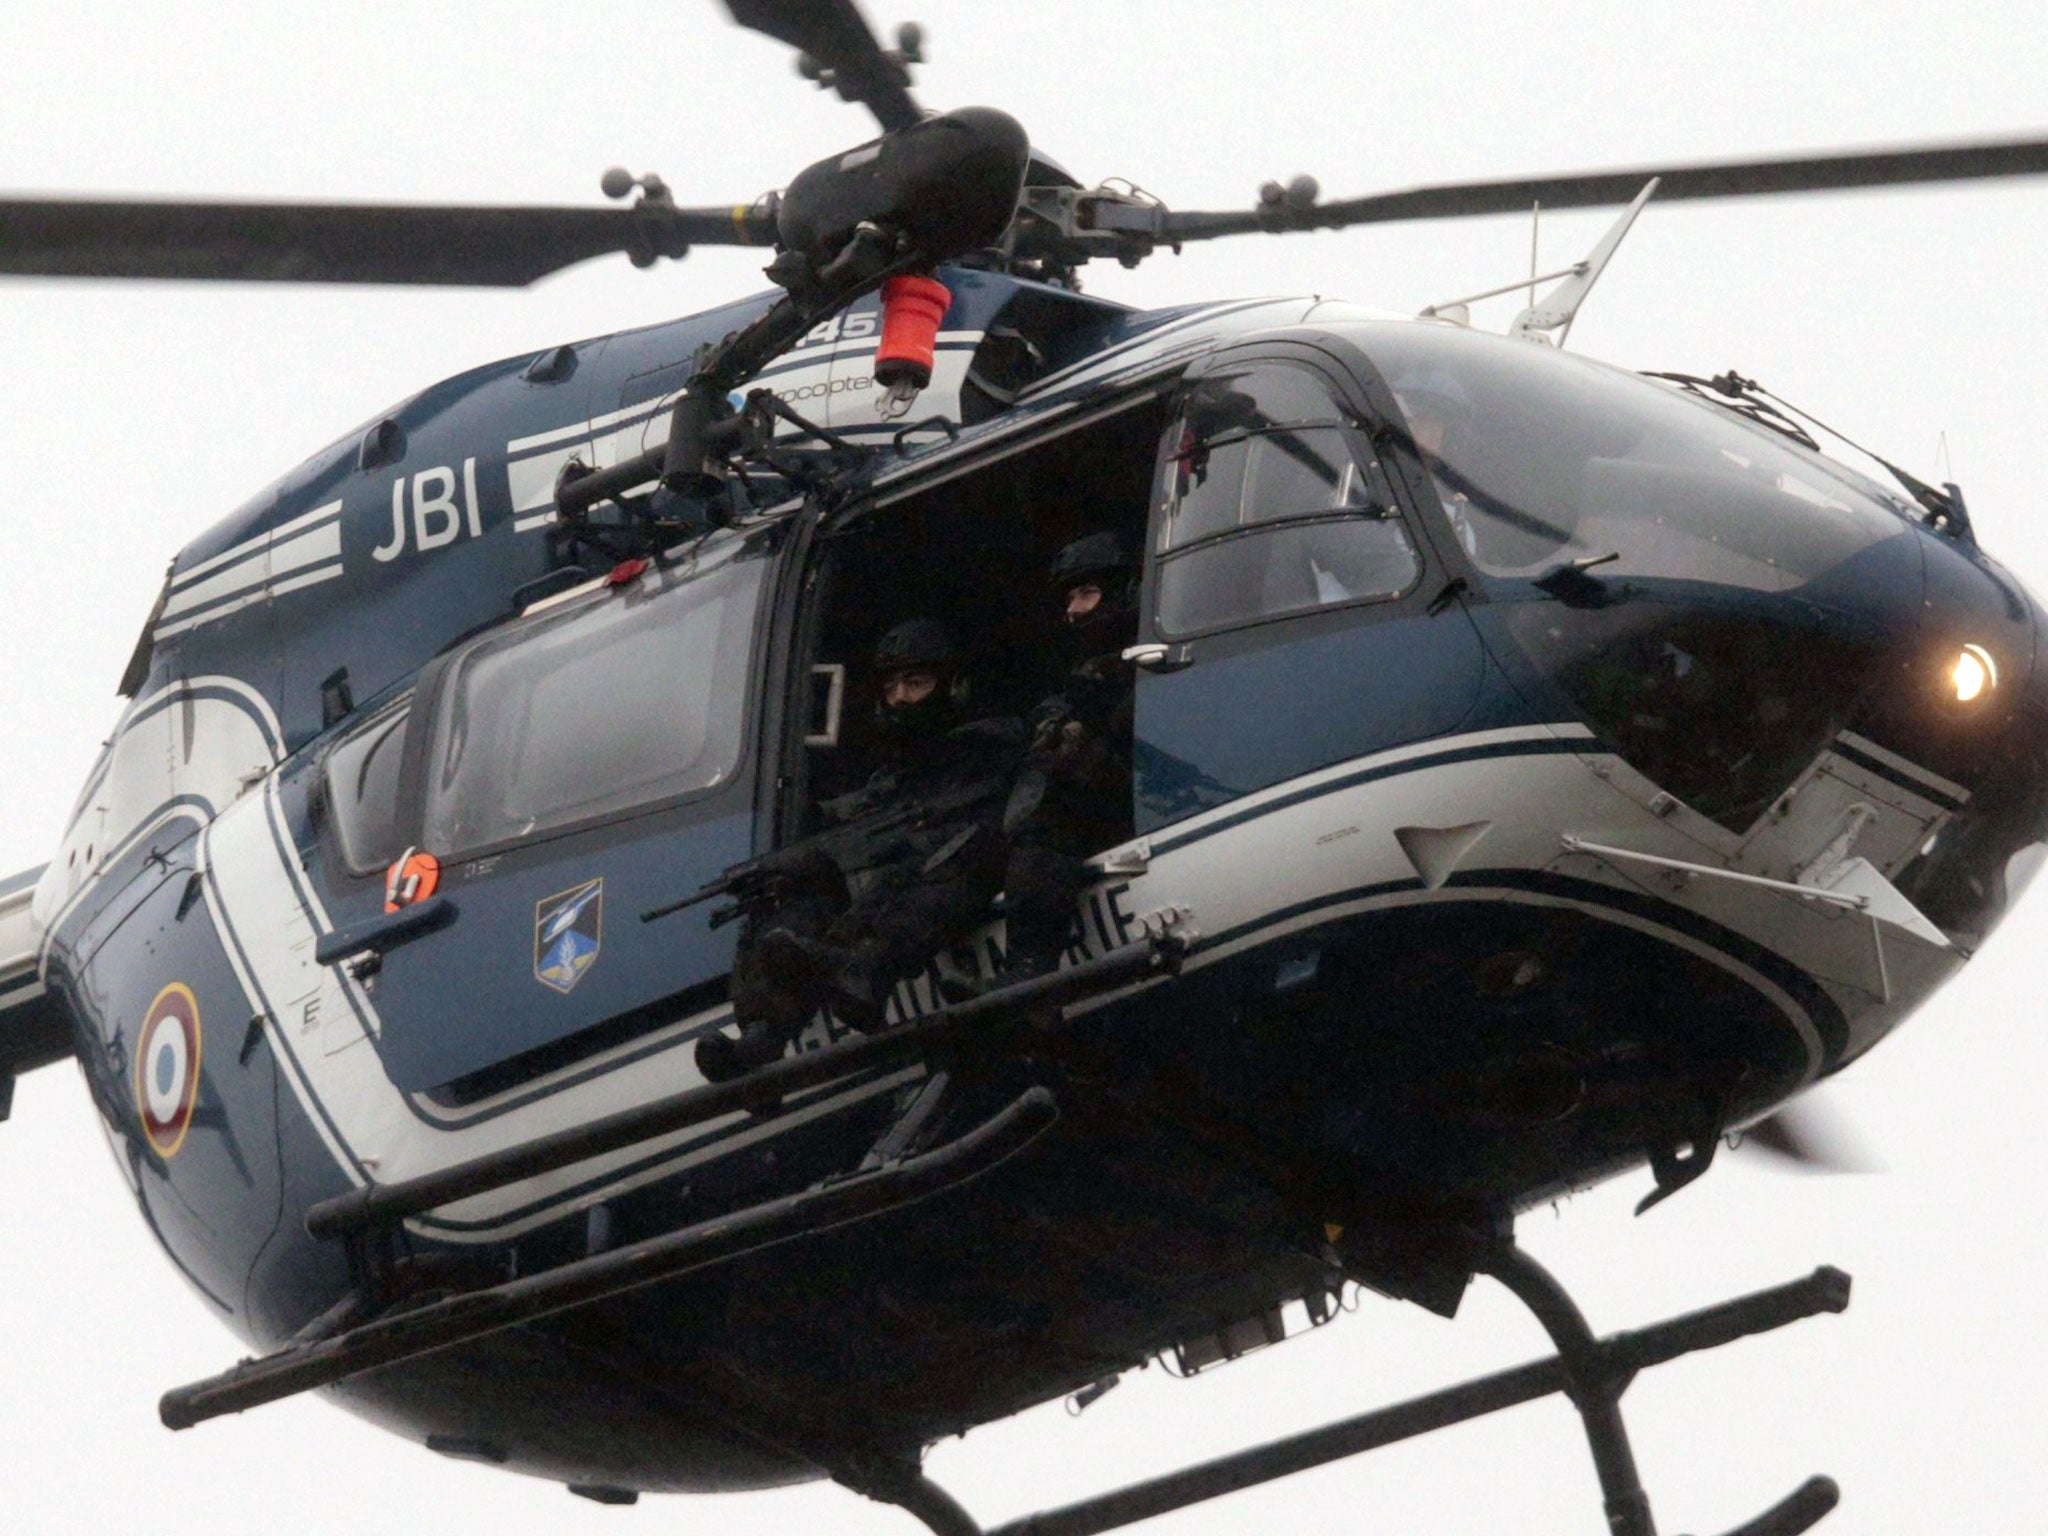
867,838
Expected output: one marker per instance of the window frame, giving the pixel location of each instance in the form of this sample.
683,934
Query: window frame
404,815
428,696
1348,413
1419,479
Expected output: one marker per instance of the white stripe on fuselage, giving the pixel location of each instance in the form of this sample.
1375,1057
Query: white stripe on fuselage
1189,333
1306,841
1308,782
289,557
167,745
309,548
249,546
324,1022
1312,841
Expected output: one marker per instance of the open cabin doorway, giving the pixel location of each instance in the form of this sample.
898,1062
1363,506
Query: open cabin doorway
972,548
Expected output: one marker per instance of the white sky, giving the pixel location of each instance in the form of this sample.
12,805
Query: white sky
136,415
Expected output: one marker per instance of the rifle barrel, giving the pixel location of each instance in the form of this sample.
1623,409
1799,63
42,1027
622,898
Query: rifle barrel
709,892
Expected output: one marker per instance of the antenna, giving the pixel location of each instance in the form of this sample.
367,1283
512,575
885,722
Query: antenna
1561,307
1535,238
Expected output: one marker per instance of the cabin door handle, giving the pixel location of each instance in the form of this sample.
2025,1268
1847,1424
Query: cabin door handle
1157,657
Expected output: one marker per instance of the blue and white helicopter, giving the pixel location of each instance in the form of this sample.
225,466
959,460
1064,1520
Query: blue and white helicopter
1484,843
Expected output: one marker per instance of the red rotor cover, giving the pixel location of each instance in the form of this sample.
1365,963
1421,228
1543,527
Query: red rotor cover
912,308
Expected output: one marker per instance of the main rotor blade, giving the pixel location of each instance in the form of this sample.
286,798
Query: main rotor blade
837,36
1743,178
348,243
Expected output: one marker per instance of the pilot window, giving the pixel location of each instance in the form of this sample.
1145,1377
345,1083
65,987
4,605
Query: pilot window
1276,505
362,790
616,701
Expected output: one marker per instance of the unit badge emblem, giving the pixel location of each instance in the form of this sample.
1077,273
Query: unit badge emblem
568,931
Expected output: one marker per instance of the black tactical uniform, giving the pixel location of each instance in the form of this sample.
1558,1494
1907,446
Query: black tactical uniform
1073,798
857,917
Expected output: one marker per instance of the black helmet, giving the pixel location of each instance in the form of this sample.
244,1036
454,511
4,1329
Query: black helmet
1097,556
1098,559
920,645
917,645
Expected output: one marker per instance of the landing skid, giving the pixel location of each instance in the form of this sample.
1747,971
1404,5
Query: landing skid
373,1329
1592,1372
362,1336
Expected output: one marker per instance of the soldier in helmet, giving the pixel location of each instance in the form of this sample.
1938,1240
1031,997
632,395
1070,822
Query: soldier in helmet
1073,798
844,936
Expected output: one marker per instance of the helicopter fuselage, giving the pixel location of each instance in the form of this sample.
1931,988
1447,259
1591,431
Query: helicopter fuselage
1567,775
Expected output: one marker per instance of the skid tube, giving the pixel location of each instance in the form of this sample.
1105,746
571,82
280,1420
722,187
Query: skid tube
1592,1372
414,1332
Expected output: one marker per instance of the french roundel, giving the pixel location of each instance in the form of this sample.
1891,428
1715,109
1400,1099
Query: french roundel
167,1068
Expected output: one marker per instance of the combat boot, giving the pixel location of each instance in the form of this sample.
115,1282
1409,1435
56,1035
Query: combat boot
956,984
851,979
721,1058
796,960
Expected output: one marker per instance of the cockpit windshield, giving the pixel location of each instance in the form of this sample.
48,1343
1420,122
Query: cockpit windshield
1540,460
1658,560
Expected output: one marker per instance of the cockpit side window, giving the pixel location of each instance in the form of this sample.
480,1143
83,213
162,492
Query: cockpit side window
363,790
1276,505
620,702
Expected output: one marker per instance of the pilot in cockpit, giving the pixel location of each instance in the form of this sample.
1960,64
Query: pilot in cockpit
1438,410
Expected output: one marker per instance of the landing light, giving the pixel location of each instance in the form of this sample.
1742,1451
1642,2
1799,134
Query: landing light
1974,673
